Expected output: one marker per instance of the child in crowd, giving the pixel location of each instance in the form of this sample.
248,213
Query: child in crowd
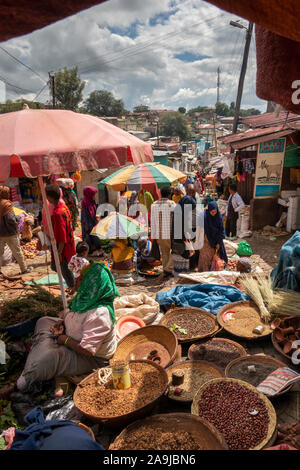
79,261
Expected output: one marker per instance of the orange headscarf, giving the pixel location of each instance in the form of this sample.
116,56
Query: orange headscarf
6,205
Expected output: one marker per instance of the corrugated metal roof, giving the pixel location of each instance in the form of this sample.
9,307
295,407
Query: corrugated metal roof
255,136
269,119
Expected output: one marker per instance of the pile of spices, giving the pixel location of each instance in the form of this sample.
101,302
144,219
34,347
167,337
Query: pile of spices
193,379
150,350
155,438
244,320
254,377
237,412
194,325
217,352
103,400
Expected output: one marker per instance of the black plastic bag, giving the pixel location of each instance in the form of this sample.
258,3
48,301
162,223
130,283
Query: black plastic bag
61,408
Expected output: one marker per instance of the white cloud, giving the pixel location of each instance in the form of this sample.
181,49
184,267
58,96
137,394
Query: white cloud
135,49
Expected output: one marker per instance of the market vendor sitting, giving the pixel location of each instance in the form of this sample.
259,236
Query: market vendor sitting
83,341
147,254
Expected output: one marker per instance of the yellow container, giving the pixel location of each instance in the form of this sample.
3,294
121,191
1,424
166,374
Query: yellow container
121,375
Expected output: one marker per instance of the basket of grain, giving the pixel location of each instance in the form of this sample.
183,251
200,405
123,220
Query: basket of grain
218,351
139,344
173,431
190,323
186,377
245,417
102,403
241,318
254,369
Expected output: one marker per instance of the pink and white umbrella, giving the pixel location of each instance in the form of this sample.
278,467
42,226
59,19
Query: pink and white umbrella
37,142
47,141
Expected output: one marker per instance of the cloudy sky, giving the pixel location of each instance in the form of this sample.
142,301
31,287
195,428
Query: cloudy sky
164,53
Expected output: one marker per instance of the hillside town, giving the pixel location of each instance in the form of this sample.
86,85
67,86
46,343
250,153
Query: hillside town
150,258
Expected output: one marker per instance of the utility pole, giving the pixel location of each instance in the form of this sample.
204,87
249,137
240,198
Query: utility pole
218,85
157,132
52,82
215,132
243,71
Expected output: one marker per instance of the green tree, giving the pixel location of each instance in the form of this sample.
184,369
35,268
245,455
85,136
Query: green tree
68,88
174,124
222,109
199,109
182,110
249,112
103,103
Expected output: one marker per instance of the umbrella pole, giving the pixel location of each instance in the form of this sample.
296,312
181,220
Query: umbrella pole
53,243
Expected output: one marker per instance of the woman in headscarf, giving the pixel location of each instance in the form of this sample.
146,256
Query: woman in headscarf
89,218
214,234
69,197
83,341
9,229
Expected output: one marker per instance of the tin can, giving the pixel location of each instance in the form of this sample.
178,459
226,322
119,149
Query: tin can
121,375
258,329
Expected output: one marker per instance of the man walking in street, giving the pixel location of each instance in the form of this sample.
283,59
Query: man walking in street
161,222
235,205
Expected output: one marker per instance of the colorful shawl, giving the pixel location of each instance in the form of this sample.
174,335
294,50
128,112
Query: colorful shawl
88,201
97,289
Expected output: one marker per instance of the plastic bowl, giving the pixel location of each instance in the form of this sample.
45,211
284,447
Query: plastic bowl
127,324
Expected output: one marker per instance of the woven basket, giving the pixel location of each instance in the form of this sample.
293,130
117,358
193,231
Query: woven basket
202,431
173,313
185,365
269,406
232,306
242,351
159,334
258,360
123,420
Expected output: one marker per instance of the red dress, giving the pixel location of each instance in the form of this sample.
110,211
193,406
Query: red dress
63,231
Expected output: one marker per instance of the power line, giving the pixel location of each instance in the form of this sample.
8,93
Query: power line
155,47
143,46
15,86
148,43
22,63
130,54
41,91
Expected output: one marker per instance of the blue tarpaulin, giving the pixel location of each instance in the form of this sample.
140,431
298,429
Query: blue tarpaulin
286,275
210,297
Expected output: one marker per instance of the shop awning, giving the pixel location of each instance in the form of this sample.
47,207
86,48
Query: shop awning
255,136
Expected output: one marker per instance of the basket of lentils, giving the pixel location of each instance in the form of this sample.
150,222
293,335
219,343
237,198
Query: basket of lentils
98,399
172,431
244,416
186,377
190,323
218,351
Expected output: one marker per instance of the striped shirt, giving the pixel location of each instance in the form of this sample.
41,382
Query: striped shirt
161,219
